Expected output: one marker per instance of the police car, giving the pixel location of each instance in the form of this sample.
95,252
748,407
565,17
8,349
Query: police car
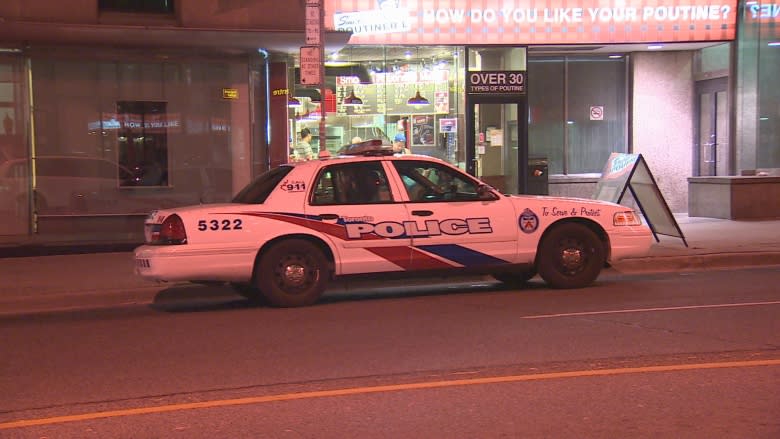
372,212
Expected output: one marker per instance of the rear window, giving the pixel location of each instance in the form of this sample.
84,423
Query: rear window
258,191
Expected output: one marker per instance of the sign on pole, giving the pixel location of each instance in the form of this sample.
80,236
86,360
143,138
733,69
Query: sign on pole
313,24
310,65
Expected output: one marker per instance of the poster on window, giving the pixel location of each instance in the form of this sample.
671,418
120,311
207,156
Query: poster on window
423,131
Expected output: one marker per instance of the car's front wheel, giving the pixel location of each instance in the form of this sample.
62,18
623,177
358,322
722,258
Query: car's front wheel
292,273
570,256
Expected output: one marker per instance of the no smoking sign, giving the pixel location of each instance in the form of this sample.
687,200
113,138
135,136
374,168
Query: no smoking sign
597,112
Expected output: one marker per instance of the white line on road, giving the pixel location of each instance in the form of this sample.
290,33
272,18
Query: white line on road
671,308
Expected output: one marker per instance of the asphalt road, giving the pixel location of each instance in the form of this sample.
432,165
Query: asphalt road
685,355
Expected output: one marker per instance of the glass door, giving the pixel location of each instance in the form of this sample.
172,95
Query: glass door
497,117
712,151
15,185
496,145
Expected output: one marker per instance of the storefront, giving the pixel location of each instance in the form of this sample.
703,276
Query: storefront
118,108
598,78
117,134
530,96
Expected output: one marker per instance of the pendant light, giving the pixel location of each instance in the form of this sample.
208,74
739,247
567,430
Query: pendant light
418,100
351,100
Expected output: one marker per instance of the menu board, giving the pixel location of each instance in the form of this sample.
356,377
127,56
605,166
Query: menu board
630,171
390,99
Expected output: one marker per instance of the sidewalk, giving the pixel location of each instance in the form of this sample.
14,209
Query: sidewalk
102,279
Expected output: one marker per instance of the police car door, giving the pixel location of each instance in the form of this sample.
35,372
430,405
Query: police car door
455,226
364,222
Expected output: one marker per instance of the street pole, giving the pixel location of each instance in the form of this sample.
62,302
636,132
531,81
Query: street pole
323,133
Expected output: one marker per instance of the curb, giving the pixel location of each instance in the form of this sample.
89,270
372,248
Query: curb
696,262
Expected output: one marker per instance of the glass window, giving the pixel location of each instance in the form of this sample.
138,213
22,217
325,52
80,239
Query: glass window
758,114
142,6
431,182
171,140
354,183
143,140
578,108
768,148
411,96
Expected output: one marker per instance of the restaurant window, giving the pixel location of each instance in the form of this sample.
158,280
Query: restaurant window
137,6
408,96
143,141
578,111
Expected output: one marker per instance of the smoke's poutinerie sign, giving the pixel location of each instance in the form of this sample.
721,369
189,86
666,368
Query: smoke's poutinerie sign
534,21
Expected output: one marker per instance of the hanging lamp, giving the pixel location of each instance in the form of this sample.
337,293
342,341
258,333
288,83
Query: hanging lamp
417,100
351,100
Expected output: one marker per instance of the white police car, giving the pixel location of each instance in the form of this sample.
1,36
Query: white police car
296,227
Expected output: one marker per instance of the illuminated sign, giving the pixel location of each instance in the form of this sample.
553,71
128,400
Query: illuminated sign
533,21
229,93
495,82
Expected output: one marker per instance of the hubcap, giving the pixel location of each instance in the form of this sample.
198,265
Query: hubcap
572,258
294,275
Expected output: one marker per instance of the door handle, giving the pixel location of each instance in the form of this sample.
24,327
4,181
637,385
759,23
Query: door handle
329,216
422,212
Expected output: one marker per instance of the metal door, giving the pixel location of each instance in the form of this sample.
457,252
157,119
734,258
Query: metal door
712,152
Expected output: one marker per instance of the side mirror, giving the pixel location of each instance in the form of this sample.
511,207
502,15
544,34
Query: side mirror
485,192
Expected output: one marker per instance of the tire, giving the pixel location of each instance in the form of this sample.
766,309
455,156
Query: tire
516,279
570,256
292,273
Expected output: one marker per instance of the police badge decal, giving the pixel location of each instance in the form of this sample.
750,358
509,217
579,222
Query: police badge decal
528,221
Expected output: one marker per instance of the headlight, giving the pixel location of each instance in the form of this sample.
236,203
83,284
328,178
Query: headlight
626,218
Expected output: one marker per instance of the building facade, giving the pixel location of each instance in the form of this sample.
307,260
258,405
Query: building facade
113,108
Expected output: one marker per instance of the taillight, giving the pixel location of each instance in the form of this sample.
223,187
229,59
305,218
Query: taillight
171,231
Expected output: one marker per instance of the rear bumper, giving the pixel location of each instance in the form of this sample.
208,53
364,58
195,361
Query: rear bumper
173,263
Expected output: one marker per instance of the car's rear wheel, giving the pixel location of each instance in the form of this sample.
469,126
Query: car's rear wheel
570,256
515,279
292,273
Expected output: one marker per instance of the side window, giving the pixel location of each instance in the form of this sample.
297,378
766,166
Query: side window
431,182
352,183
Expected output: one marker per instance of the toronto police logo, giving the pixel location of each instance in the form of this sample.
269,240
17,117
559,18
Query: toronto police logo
528,221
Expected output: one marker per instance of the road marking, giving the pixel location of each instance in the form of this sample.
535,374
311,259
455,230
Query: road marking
380,389
626,311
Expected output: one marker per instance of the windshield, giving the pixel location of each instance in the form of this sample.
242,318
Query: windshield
257,191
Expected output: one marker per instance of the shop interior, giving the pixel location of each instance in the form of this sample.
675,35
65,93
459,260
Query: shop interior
407,96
